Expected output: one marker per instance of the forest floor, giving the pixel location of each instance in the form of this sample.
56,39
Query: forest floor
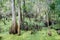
40,35
26,35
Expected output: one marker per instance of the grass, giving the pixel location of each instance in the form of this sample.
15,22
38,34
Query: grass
40,35
25,35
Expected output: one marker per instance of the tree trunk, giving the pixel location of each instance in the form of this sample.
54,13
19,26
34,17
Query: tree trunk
19,16
13,29
49,28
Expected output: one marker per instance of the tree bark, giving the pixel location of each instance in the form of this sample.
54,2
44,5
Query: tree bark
13,29
19,16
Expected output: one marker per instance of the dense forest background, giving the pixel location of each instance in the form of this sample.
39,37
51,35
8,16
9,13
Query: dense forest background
30,19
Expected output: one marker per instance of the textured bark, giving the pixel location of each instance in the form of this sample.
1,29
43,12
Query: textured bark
19,16
13,29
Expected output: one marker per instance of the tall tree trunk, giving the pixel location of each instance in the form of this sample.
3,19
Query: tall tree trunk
13,29
49,28
19,16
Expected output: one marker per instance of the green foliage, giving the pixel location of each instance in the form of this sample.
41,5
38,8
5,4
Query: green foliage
52,6
5,28
32,22
39,35
57,26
